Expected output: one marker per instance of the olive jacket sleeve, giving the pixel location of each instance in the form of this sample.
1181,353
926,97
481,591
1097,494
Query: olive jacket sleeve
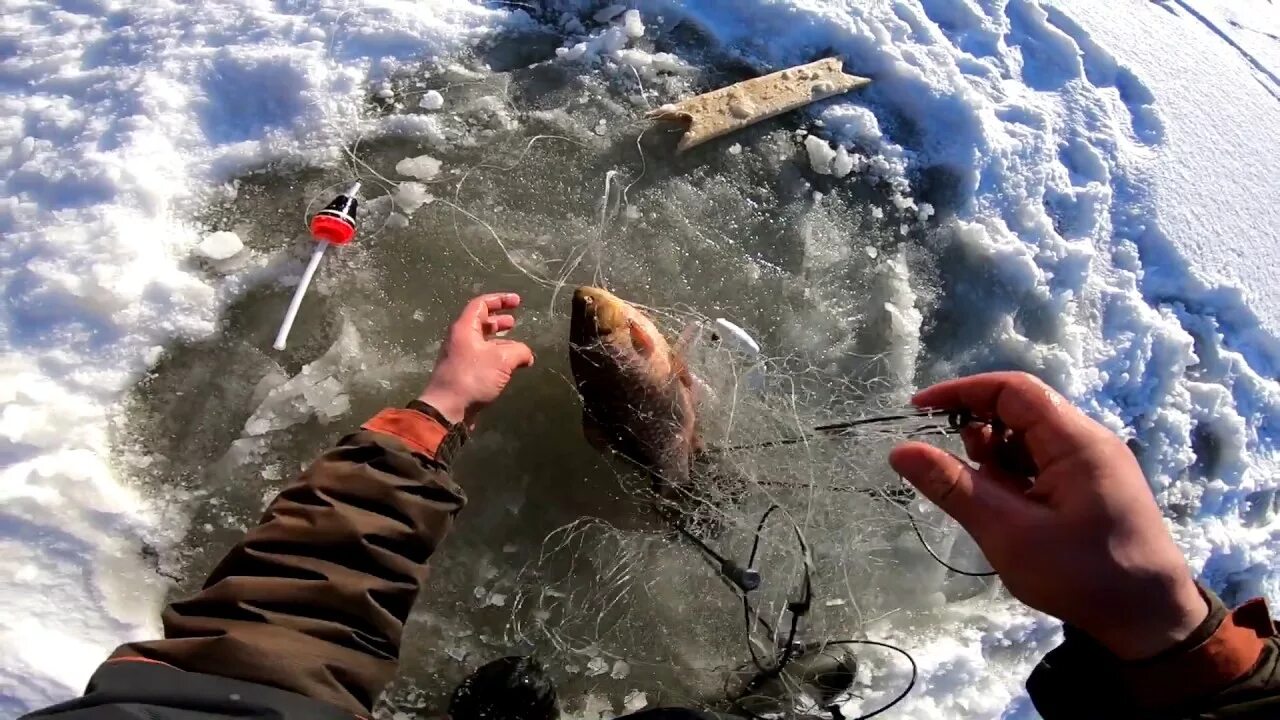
314,599
1228,668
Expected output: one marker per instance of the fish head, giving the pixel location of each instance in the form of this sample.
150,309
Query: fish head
603,319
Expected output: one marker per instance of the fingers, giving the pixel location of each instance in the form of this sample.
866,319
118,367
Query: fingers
476,313
1050,426
515,355
948,482
498,323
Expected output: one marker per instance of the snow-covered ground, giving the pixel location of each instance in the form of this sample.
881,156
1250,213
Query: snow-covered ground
1108,167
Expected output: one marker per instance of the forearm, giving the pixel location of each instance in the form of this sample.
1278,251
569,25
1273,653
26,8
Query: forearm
1228,668
315,598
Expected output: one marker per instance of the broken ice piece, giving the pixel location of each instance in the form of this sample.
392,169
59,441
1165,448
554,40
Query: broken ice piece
431,100
572,669
635,701
423,167
632,25
220,246
496,600
720,112
457,654
620,670
835,602
872,252
479,592
409,196
597,666
419,315
735,149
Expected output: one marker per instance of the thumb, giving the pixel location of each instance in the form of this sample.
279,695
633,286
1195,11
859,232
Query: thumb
948,482
515,354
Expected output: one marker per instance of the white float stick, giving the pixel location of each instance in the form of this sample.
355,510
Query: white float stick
334,225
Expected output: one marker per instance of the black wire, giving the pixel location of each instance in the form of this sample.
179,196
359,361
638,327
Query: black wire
915,674
920,536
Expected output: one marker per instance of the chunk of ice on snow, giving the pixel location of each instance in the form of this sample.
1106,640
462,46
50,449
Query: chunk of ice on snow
220,246
410,196
820,154
597,666
631,24
608,12
432,100
635,701
423,167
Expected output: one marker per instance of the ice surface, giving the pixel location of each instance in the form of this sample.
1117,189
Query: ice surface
1093,214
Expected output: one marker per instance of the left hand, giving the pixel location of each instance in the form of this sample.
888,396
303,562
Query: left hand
474,367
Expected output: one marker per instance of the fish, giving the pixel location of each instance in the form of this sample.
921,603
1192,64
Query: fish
638,396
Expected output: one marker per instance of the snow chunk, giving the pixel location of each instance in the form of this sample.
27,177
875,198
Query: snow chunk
423,167
431,100
632,25
597,666
621,669
410,196
635,701
220,246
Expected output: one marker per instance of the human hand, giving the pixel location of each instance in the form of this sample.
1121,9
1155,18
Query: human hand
1061,510
474,367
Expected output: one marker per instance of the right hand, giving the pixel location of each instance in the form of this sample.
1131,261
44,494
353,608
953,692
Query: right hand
1061,510
474,366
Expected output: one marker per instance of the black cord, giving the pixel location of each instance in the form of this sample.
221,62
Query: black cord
915,674
920,536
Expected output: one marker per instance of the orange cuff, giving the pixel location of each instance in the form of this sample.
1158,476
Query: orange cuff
421,433
1226,656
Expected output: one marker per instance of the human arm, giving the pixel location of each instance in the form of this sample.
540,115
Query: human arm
313,600
1062,511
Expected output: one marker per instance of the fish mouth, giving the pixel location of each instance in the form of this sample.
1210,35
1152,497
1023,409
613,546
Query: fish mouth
596,313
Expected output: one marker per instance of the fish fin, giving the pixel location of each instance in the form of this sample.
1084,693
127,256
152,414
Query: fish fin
641,342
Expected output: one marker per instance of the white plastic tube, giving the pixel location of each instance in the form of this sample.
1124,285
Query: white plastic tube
292,313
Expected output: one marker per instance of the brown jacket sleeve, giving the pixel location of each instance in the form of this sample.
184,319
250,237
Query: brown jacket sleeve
1229,667
315,598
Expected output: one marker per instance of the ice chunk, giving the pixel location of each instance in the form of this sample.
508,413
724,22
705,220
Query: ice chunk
620,670
632,25
457,654
820,154
410,196
432,100
220,246
735,149
597,666
496,600
608,12
423,167
635,701
315,391
842,164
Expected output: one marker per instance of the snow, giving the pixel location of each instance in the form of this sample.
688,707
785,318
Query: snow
1110,167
